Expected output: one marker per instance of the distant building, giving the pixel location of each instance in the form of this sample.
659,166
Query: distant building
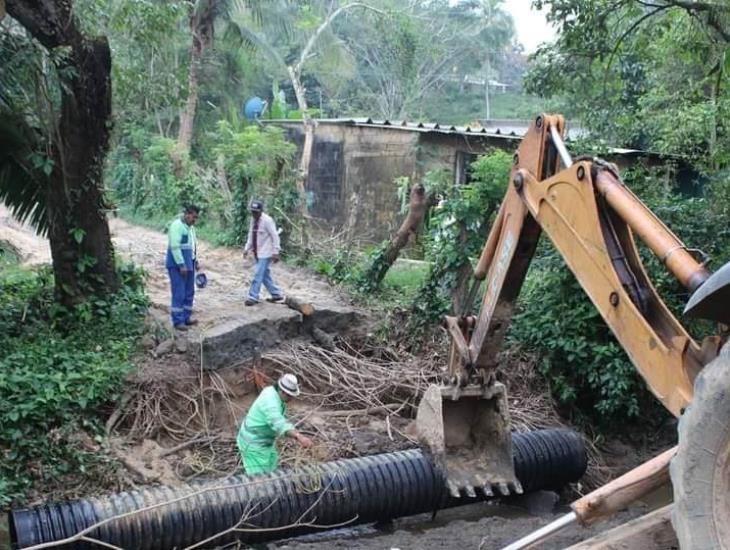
356,161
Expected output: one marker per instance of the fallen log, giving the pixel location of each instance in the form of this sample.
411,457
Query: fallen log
304,308
418,205
652,531
389,408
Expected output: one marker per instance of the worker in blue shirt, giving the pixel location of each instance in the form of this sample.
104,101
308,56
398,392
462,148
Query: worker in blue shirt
181,264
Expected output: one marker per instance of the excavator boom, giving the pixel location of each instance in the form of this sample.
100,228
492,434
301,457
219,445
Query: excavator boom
591,217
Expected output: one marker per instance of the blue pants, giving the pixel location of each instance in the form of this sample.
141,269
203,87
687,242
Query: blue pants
263,276
183,293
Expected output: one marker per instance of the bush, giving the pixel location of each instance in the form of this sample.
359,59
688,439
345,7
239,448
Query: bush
258,163
456,232
152,180
150,176
57,369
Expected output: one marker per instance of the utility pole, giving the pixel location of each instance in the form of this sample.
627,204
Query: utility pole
486,88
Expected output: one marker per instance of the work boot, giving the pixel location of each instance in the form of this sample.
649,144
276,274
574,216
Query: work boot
275,299
191,322
181,328
250,302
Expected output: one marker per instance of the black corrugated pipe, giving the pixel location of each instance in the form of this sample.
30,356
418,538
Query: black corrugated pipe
286,503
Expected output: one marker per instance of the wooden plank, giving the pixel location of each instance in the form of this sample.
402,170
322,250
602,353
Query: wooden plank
622,491
652,531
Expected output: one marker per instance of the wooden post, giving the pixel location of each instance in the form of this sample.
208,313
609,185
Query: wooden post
619,493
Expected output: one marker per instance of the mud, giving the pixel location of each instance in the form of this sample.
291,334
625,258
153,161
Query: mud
482,526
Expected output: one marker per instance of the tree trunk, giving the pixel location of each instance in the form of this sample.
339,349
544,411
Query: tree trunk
81,247
202,19
187,115
416,212
303,173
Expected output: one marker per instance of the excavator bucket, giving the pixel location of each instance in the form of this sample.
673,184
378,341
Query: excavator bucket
466,433
710,300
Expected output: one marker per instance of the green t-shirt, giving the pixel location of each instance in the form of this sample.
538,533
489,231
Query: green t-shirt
265,421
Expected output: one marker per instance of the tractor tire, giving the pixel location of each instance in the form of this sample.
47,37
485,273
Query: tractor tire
701,468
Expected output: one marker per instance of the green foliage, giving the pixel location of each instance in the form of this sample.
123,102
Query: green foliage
647,77
152,179
589,373
149,174
258,163
57,369
456,234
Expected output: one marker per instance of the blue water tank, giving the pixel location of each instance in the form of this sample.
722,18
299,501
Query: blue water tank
254,108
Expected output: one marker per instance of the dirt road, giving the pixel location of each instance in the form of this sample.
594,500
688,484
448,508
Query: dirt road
229,276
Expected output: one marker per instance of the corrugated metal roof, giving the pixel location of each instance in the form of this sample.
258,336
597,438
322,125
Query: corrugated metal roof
428,127
499,129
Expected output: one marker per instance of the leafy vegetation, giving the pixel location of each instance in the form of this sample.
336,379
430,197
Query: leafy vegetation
152,179
59,367
456,233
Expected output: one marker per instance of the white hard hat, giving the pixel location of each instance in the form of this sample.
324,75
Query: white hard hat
289,385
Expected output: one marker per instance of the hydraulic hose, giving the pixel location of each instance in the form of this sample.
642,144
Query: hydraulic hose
285,503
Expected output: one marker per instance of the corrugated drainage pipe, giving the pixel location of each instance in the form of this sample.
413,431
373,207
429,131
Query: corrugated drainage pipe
357,490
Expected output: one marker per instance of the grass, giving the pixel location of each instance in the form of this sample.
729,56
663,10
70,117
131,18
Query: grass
406,277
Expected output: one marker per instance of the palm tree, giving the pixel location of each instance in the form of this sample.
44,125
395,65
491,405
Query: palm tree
300,47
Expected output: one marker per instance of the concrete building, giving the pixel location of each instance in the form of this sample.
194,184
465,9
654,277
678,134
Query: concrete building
356,161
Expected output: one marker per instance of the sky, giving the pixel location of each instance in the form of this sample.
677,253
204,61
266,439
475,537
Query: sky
531,26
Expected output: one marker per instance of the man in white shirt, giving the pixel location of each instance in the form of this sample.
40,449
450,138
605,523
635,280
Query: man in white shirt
263,243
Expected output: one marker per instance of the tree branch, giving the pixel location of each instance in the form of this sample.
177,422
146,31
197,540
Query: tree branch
326,23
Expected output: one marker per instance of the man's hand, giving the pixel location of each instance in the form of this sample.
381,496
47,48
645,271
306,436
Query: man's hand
197,265
275,258
184,271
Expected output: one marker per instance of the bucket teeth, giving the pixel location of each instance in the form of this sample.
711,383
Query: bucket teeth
453,489
487,488
516,487
470,491
502,487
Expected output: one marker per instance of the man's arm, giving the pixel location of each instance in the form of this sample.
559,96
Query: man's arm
281,425
249,240
175,235
271,229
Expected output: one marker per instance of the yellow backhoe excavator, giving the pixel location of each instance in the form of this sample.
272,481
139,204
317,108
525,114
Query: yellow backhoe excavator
591,217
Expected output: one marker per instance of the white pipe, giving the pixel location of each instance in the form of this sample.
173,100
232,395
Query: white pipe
543,533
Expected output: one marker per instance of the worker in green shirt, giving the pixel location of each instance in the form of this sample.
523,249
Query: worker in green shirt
181,263
265,421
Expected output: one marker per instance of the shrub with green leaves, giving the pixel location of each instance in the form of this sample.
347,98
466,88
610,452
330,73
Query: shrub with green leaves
153,179
57,369
456,232
258,163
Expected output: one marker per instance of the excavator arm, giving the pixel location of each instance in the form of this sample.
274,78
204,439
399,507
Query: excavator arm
591,217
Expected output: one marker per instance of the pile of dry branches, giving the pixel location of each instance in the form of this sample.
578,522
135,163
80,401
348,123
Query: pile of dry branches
346,378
